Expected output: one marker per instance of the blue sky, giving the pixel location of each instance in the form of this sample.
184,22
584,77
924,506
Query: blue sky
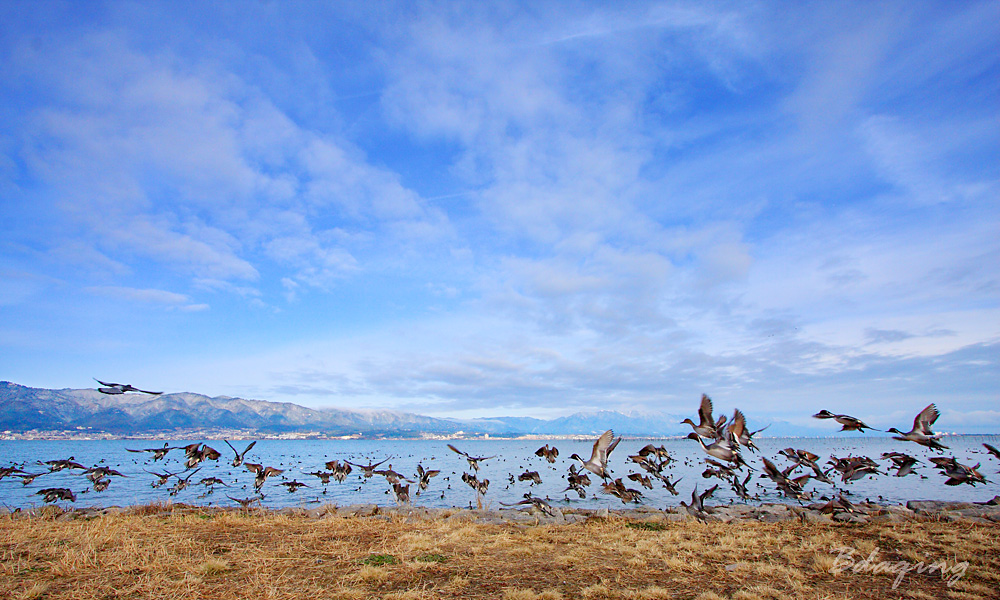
475,209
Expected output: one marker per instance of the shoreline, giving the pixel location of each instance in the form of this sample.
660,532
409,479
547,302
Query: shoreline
817,513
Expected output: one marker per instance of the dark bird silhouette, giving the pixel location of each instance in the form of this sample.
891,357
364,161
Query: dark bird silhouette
531,476
340,470
659,452
158,453
848,422
391,476
903,463
120,388
740,487
697,508
182,482
669,485
550,454
28,478
641,479
402,492
473,460
5,471
293,485
852,468
163,478
543,506
197,453
369,469
475,483
244,502
739,433
261,473
238,460
324,476
958,473
625,494
791,487
424,476
98,472
56,494
59,465
992,450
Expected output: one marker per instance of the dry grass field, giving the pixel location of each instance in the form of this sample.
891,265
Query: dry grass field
144,553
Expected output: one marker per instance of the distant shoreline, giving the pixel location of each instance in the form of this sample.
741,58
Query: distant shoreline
981,513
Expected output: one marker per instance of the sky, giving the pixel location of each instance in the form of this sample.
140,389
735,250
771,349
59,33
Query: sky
525,209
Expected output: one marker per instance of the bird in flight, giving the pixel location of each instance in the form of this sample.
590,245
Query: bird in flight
473,460
120,388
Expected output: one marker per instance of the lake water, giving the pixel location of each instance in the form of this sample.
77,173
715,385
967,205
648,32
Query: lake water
300,457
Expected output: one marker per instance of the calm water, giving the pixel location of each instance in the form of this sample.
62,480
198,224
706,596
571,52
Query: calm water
298,458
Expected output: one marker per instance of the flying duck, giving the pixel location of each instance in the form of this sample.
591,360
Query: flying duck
473,460
706,427
598,463
158,453
238,460
369,469
550,454
921,432
849,423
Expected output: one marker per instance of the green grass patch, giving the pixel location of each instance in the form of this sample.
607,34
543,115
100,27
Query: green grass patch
432,558
377,560
645,525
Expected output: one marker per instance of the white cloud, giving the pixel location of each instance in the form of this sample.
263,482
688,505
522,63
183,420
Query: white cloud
140,295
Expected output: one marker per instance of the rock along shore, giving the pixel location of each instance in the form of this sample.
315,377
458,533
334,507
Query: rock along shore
914,510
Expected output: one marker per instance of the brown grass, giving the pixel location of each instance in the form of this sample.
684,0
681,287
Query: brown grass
258,554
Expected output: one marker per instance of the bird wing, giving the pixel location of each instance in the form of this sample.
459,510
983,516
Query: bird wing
705,410
738,425
454,449
925,419
600,452
234,449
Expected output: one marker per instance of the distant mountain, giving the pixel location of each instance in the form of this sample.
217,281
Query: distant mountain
23,409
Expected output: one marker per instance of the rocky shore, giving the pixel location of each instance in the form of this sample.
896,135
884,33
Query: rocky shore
915,510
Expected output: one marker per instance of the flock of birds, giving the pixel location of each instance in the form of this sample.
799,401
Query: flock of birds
724,440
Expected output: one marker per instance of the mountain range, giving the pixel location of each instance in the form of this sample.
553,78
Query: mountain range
24,409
